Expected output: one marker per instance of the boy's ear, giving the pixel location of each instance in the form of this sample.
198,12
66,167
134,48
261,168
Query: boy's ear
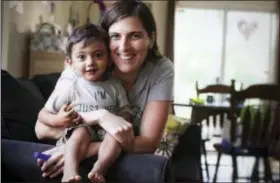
68,61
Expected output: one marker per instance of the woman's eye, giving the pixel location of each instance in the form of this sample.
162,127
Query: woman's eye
136,36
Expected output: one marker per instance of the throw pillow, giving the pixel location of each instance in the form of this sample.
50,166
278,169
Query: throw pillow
175,126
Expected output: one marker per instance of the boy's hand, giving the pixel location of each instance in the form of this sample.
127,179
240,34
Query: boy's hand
67,116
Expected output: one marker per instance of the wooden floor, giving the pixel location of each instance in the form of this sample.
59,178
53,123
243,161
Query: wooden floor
245,165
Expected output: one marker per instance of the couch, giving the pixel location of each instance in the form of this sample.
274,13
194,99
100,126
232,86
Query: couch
22,98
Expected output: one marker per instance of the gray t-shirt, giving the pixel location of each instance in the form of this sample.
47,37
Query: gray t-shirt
154,82
88,96
66,78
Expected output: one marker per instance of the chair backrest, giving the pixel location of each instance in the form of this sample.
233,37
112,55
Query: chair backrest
274,135
214,88
213,115
259,123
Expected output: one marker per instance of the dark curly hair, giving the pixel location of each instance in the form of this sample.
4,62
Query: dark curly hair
87,34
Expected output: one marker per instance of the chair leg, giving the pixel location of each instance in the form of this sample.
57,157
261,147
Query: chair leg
235,168
255,173
206,162
217,166
201,172
267,170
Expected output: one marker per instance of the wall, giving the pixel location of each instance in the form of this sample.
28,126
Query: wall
266,5
159,9
17,28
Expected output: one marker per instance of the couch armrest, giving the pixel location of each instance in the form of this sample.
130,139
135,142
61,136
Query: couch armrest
186,156
17,158
141,168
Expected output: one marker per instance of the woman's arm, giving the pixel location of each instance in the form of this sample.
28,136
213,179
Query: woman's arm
48,118
47,128
91,117
110,122
152,125
47,132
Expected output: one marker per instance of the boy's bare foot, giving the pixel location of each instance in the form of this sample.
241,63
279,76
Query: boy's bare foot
96,174
71,176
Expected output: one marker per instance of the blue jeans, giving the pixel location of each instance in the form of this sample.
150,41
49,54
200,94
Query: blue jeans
18,161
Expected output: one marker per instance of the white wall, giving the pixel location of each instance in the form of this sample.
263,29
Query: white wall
4,34
159,9
17,28
238,5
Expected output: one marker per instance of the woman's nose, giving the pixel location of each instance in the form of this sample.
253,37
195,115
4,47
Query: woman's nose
124,44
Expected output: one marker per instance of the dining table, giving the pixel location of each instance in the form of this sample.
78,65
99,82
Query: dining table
201,112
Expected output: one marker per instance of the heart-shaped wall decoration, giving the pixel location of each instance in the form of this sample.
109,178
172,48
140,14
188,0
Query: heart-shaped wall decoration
247,28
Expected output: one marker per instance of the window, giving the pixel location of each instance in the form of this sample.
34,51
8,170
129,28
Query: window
222,43
247,48
198,44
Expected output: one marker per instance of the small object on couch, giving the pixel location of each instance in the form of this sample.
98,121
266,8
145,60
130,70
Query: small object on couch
41,156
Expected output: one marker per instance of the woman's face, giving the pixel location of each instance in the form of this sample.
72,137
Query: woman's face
129,44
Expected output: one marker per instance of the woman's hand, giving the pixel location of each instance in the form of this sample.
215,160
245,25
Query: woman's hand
118,127
54,165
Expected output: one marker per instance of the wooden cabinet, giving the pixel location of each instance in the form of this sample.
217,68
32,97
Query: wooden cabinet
45,62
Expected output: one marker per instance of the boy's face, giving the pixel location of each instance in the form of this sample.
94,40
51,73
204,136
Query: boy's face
90,61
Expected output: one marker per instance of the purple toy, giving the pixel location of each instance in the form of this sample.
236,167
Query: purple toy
41,156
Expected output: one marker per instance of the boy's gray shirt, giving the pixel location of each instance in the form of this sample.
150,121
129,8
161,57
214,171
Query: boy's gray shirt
66,78
87,96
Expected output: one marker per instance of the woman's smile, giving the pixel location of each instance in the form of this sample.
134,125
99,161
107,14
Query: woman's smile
126,57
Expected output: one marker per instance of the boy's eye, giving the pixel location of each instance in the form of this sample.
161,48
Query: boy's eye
81,57
99,55
114,36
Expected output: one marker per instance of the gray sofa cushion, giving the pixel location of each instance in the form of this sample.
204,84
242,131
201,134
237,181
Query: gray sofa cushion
19,108
46,83
4,130
30,86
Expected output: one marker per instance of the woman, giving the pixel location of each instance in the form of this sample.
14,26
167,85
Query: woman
146,75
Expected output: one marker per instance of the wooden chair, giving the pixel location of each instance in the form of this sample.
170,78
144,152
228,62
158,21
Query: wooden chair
257,132
215,89
274,139
207,116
